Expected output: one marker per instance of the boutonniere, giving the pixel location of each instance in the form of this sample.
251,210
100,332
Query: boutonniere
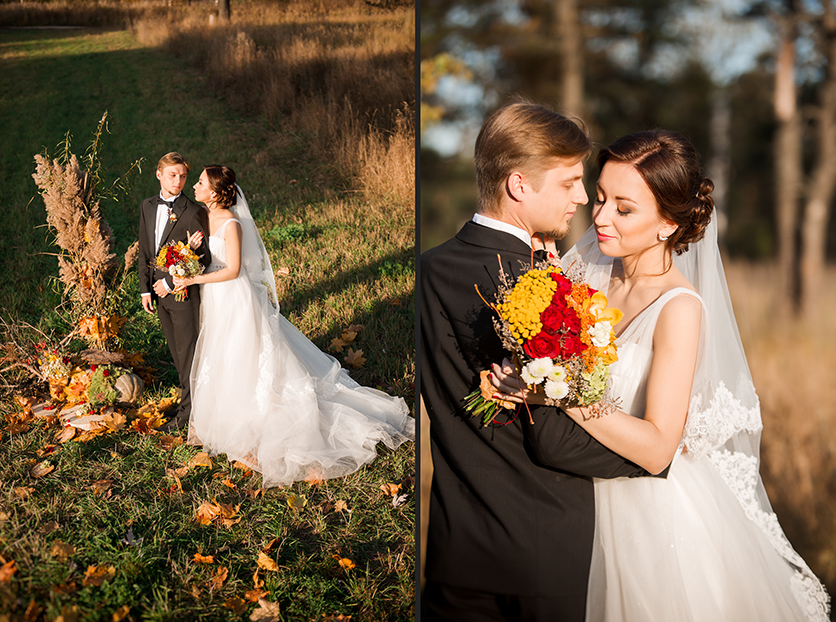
172,217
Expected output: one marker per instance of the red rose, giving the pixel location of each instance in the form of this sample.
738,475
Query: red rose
572,321
564,286
106,373
572,346
551,318
542,345
94,367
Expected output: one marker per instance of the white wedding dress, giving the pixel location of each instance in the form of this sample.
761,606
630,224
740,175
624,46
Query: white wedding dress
264,395
703,544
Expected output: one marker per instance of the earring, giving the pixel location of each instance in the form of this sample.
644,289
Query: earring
662,238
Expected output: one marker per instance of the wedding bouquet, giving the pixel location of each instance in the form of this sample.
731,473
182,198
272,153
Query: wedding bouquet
178,259
560,333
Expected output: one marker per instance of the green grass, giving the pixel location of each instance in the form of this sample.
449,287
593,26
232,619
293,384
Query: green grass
348,261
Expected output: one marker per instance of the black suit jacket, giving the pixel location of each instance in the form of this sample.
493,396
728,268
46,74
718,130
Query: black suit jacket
511,508
188,220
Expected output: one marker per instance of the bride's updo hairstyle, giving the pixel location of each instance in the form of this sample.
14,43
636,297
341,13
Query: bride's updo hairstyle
222,182
670,166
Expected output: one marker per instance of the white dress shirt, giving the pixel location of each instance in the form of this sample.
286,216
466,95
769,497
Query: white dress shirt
493,223
159,227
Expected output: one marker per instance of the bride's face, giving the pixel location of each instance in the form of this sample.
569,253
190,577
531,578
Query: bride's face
203,193
626,215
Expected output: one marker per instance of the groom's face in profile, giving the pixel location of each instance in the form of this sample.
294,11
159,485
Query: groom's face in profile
549,208
172,179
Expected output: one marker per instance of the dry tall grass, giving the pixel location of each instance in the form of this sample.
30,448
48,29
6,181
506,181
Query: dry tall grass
793,363
336,75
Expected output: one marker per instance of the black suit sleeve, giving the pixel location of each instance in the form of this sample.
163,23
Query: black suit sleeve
144,260
557,442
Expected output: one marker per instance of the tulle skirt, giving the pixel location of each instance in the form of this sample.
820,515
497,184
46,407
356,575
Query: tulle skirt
264,395
682,549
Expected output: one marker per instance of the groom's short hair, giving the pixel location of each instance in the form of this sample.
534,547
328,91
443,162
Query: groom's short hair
528,138
171,158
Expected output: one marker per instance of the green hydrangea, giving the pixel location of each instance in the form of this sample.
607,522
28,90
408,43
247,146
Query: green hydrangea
594,383
101,389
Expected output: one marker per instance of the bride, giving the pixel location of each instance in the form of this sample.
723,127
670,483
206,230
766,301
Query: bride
262,393
703,543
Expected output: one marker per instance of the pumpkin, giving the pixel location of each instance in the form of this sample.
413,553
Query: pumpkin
129,386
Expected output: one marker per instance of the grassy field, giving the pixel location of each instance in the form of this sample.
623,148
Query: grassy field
343,255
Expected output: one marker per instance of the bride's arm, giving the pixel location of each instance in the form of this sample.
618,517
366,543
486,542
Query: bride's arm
232,241
651,442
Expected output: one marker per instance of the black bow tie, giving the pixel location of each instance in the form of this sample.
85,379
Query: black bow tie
169,204
541,255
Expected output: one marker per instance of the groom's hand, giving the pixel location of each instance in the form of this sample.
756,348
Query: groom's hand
160,289
147,303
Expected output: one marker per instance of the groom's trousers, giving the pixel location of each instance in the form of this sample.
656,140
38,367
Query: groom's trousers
445,603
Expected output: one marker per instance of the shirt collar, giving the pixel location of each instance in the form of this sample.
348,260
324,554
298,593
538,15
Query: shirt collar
171,200
498,225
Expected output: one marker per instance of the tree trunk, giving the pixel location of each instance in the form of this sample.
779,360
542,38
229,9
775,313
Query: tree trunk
720,163
820,196
788,165
567,30
223,10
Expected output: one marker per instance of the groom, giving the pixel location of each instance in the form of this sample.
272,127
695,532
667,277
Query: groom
172,217
512,511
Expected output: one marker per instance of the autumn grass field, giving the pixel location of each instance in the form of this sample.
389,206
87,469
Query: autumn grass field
108,534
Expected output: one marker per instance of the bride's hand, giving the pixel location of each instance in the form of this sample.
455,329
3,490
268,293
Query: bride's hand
182,282
195,239
509,385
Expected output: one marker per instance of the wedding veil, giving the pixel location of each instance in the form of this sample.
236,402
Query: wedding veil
254,257
724,420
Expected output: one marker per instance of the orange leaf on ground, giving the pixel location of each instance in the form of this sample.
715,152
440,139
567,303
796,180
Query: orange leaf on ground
120,614
33,611
65,434
167,442
48,528
41,469
390,490
265,563
204,559
207,512
255,594
69,613
356,328
338,344
271,545
266,612
230,484
340,505
344,562
101,487
355,359
62,551
6,571
256,581
22,492
217,581
297,502
201,459
236,604
96,575
348,335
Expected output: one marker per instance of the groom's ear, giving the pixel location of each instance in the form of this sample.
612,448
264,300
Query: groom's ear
515,186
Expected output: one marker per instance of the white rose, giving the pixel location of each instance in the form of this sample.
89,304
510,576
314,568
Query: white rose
600,334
